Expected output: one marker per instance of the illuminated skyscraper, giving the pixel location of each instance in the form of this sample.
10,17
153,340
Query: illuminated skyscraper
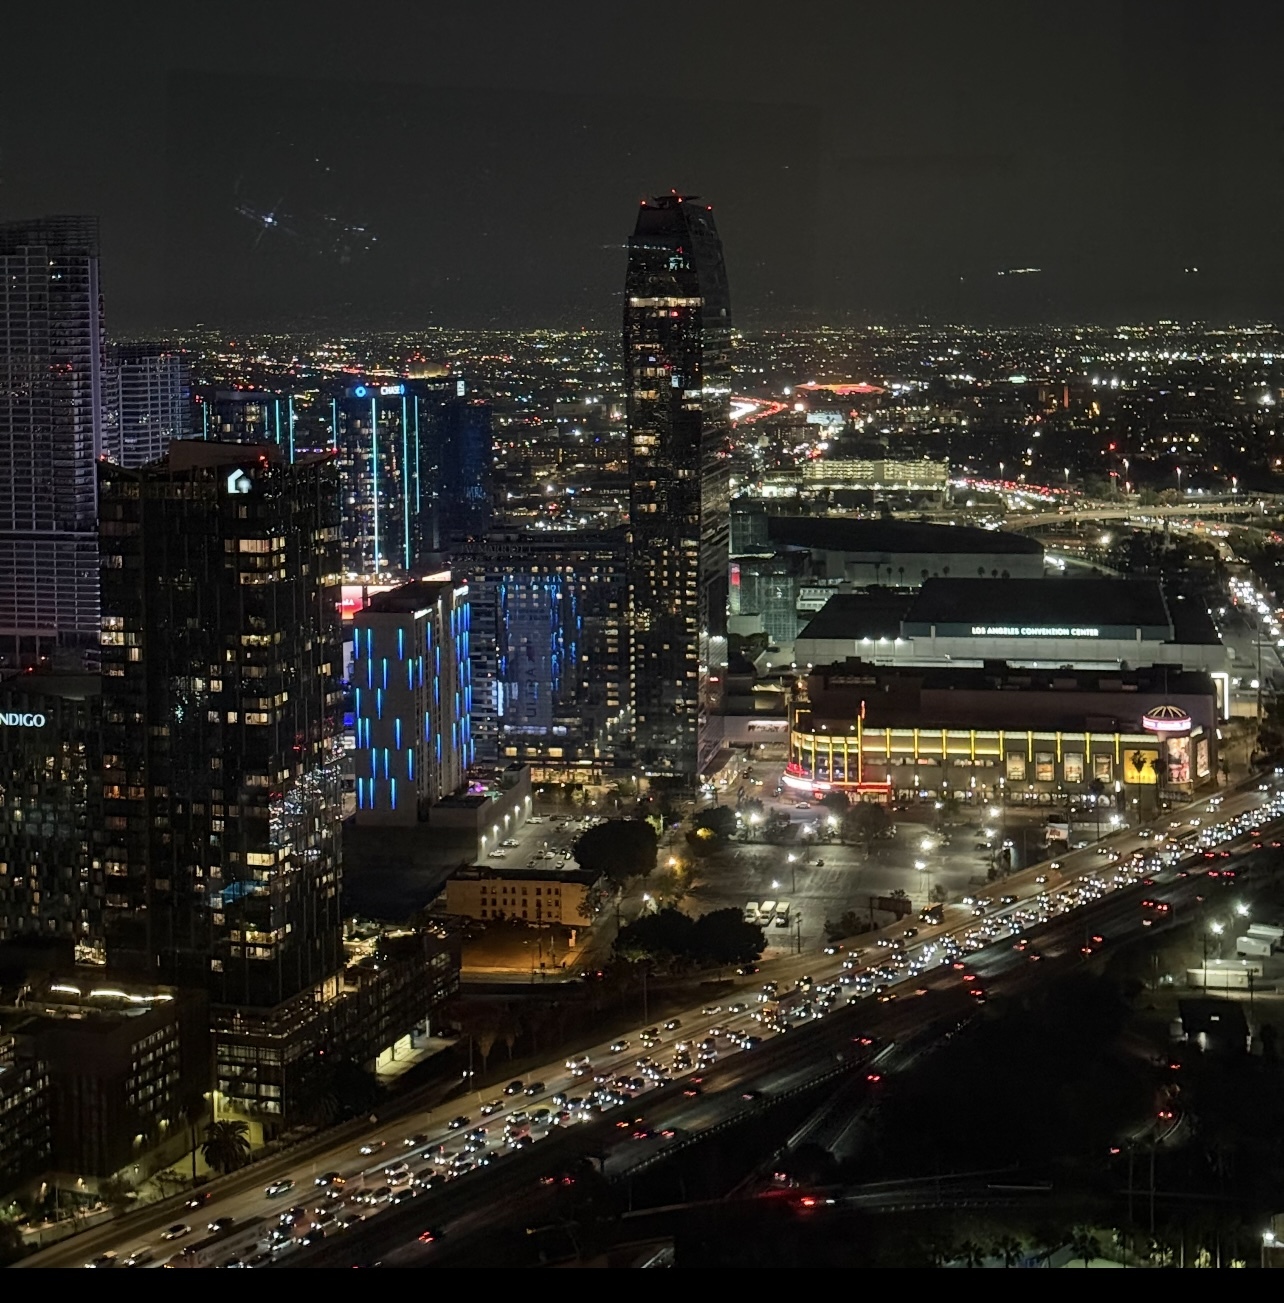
221,788
51,435
411,701
148,402
549,650
677,336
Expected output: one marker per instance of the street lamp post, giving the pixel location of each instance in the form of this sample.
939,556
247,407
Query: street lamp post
925,874
793,873
1213,929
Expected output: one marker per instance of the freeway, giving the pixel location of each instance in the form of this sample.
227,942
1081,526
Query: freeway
464,1160
854,1047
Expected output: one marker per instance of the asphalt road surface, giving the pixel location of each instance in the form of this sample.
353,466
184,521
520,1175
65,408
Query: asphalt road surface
508,1184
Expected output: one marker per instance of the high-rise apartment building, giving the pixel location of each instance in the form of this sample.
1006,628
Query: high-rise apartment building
147,403
415,459
246,416
221,782
549,650
412,701
50,885
462,452
51,435
677,338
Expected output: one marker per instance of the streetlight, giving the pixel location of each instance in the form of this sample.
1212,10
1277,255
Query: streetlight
924,869
1216,930
1241,909
793,873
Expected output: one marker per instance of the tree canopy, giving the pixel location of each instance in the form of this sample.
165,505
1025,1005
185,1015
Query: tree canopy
711,829
865,822
719,937
619,849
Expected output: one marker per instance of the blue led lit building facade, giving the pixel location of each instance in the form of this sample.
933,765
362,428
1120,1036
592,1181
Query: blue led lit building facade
550,651
387,489
677,341
253,416
412,700
414,457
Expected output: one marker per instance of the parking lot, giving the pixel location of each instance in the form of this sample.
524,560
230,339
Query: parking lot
544,841
819,880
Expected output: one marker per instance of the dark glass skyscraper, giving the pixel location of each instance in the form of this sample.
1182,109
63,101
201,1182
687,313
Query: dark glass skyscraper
221,790
463,454
677,337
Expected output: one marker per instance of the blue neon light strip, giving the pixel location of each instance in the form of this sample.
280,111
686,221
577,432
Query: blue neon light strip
374,473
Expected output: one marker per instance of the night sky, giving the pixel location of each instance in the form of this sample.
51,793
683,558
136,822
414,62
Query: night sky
400,165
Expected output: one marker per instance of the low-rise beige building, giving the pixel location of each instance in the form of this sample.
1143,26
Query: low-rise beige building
529,895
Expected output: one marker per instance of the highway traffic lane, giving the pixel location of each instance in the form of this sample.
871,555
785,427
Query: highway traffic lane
126,1234
1116,914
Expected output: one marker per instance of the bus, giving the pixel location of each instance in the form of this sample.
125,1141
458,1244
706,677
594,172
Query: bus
236,1241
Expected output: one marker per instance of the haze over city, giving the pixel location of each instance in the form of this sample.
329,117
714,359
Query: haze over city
868,162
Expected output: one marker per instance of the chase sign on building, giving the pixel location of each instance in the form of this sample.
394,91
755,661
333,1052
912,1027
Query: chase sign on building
239,482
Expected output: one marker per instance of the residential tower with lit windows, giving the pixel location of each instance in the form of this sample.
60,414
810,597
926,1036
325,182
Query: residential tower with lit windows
677,338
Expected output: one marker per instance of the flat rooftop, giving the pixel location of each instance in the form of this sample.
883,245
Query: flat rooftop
846,534
874,613
1138,603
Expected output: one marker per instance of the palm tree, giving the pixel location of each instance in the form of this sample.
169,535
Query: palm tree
227,1146
1008,1248
970,1254
194,1110
1085,1245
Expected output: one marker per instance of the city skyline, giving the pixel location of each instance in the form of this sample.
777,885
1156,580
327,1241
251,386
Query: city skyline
463,593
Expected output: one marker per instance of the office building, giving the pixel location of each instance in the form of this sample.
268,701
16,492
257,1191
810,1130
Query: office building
51,885
122,1059
411,700
220,772
51,435
549,651
25,1125
461,450
414,457
147,403
247,416
677,337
